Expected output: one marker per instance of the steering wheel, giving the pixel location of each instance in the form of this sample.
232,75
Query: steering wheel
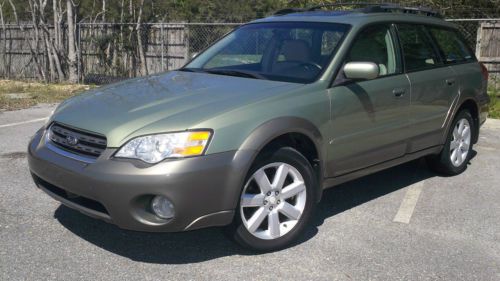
307,65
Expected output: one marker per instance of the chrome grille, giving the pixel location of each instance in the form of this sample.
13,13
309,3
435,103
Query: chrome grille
77,141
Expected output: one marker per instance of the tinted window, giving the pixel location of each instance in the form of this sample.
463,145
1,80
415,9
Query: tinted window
291,52
249,49
419,53
329,42
453,49
375,45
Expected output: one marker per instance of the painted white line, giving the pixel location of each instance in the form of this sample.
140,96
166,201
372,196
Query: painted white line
409,202
24,122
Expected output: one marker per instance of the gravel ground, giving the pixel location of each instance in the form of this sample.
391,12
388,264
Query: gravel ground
453,234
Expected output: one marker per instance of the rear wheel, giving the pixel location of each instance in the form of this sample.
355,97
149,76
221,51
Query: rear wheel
276,202
457,151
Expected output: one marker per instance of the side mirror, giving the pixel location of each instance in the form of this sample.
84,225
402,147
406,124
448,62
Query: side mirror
361,70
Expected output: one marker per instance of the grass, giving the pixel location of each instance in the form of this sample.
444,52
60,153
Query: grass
495,103
18,94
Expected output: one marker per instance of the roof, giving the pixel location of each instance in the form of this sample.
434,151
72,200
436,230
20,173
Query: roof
353,17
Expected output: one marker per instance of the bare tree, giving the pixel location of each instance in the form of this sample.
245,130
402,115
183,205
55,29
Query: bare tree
4,46
142,56
34,47
103,11
57,27
72,57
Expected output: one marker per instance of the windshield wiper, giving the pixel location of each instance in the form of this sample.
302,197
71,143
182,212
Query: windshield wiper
190,69
228,72
237,73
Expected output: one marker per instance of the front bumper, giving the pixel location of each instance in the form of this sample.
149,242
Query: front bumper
204,190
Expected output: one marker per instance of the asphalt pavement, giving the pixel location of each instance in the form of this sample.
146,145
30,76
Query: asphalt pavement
405,223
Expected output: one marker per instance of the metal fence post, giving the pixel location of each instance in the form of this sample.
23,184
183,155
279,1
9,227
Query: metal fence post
79,52
162,48
186,37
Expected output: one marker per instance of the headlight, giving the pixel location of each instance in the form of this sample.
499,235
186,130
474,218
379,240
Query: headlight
155,148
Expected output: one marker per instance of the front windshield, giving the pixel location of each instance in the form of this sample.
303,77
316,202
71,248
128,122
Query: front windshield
283,51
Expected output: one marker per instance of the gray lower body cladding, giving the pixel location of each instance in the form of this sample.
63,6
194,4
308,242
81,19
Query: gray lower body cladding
204,190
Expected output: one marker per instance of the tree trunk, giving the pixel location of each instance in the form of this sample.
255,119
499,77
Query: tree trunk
48,56
56,16
72,58
142,56
35,47
103,11
4,46
52,54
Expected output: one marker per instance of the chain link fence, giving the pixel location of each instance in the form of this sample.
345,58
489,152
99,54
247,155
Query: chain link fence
483,36
109,52
113,52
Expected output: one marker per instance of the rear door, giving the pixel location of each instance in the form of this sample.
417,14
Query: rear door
461,58
434,86
369,119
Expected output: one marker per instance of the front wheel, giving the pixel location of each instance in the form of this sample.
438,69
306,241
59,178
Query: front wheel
457,151
276,202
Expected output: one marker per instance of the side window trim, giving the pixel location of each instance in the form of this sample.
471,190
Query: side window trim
398,48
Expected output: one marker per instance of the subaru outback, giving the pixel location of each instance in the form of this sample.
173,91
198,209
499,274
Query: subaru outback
250,132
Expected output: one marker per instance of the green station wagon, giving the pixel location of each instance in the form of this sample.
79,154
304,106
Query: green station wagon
250,132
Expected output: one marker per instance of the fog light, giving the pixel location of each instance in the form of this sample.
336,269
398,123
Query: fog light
162,207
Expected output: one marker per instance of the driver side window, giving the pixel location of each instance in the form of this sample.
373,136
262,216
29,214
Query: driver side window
375,44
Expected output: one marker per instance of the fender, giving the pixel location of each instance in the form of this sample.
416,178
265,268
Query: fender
270,130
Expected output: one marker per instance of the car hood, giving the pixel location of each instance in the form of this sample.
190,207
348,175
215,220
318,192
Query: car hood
174,101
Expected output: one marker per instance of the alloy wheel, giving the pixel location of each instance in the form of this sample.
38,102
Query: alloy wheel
273,201
460,143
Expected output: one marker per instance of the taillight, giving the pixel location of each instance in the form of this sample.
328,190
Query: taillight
484,70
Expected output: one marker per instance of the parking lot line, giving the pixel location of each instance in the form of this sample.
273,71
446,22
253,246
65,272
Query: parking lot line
407,207
24,122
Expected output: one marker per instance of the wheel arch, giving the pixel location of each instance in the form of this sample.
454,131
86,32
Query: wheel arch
295,132
473,107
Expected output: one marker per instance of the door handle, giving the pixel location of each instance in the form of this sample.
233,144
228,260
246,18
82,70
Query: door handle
450,82
399,92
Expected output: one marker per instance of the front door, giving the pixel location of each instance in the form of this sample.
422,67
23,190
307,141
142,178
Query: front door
370,119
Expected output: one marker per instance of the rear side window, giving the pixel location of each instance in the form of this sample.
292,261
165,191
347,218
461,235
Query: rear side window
452,47
418,49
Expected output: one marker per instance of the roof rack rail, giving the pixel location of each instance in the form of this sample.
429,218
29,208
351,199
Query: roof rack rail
391,8
328,5
367,7
287,11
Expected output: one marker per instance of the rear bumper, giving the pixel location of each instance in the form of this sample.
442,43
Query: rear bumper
204,190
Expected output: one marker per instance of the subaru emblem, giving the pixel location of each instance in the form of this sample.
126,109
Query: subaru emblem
72,140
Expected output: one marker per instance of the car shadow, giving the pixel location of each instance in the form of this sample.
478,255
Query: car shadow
207,244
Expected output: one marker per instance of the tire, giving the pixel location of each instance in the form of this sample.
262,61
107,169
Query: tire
457,151
264,219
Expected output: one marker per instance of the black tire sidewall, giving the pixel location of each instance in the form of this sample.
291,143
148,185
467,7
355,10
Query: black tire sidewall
447,166
292,157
